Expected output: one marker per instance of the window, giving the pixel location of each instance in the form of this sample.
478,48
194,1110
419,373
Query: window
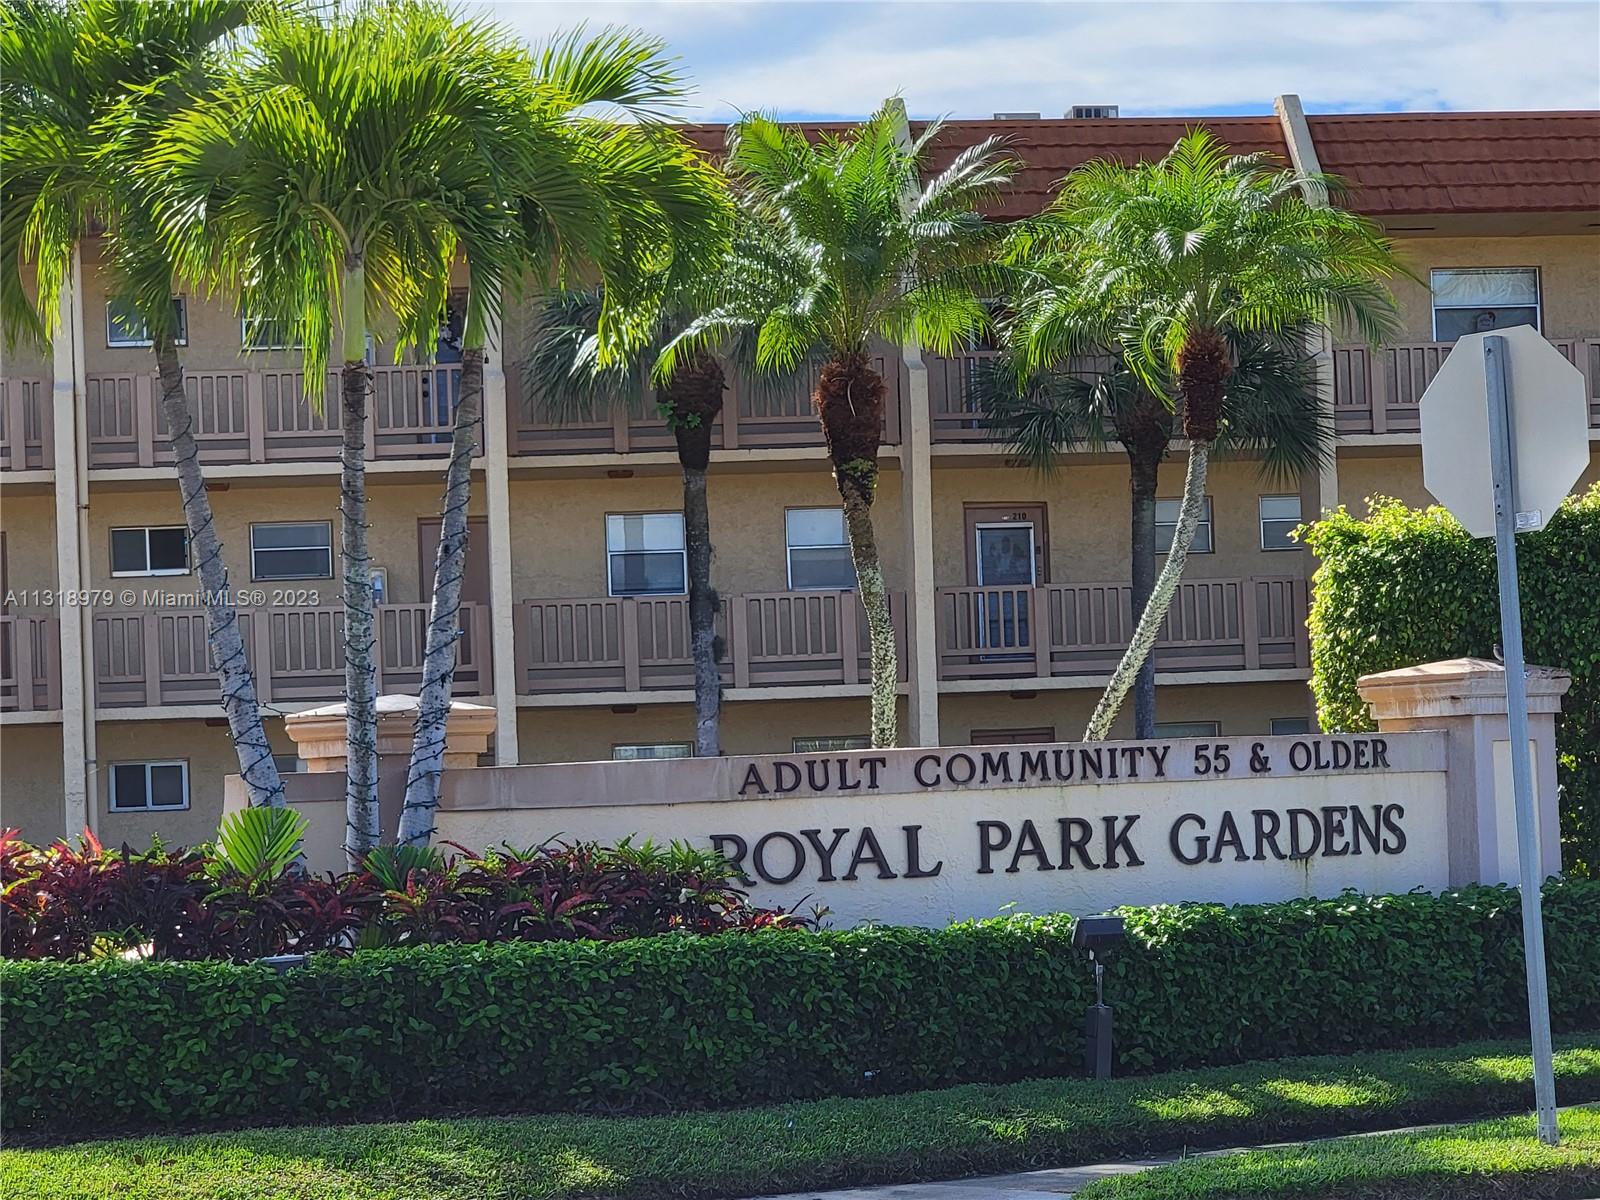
1188,729
819,554
289,764
1285,726
156,550
1482,299
1167,524
149,786
644,554
126,328
1012,737
292,550
639,751
1280,515
265,333
825,745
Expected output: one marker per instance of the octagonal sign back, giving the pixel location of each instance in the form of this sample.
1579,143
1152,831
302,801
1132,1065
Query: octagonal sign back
1550,421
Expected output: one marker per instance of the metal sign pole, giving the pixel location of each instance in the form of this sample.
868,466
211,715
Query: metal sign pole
1496,363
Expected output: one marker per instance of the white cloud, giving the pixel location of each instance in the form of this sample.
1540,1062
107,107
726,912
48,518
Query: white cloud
971,59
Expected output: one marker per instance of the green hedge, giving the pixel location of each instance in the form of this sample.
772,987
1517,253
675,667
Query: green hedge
1408,586
739,1019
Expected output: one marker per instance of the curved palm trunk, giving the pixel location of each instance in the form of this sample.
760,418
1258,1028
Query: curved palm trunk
444,615
692,401
360,631
249,737
1143,478
1155,611
849,399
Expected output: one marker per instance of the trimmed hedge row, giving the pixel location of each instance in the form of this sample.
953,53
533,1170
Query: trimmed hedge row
684,1021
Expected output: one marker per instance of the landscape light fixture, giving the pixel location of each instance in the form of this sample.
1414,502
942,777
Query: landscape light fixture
1097,935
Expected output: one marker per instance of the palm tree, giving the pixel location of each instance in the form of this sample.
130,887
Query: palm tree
323,182
561,371
838,242
82,88
1277,416
558,190
1171,264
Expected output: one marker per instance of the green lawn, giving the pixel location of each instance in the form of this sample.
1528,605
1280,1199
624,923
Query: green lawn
1490,1159
924,1135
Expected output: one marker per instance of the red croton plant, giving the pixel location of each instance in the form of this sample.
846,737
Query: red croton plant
212,902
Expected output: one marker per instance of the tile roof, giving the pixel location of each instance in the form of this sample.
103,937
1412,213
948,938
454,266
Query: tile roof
1464,162
1397,163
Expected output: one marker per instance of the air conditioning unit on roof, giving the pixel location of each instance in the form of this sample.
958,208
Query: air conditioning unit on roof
1092,112
1017,116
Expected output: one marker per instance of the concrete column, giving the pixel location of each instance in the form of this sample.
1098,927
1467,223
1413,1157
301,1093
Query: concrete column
80,808
1303,154
1466,698
497,500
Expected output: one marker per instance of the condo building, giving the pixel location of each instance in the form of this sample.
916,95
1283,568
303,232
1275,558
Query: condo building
1010,588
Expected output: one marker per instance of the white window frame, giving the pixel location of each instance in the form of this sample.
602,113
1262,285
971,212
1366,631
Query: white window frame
1274,722
246,347
1538,292
1197,729
1205,521
254,525
686,747
830,743
789,547
116,343
147,764
1262,519
682,552
148,572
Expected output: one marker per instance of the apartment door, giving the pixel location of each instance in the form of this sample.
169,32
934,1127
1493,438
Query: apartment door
475,583
1006,557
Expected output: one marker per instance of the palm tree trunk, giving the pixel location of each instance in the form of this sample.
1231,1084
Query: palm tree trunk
1143,476
1165,588
703,603
691,401
444,615
850,399
360,631
249,737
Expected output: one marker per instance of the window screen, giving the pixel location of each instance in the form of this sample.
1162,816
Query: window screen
1280,516
644,554
1482,299
1167,525
292,550
156,550
819,553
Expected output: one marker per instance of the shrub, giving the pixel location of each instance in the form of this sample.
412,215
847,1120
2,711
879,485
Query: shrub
1408,586
687,1021
68,903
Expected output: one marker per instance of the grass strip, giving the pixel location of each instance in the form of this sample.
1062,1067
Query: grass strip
975,1129
1460,1162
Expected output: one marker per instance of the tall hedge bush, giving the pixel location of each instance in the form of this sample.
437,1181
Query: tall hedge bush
686,1021
1406,586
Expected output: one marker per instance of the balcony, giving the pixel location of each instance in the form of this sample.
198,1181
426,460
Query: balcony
155,657
807,639
1377,391
26,430
30,664
1082,629
756,414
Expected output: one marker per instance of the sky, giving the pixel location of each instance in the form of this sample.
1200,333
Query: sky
973,58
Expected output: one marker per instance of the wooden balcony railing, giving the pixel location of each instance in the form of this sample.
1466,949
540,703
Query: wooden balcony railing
756,413
30,664
1082,629
641,643
26,428
153,657
1377,391
249,415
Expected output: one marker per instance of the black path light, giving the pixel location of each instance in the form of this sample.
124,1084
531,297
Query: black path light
1097,935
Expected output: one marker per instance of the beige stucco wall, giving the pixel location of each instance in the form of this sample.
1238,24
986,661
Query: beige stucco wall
29,524
393,510
1088,516
1569,277
1400,475
558,526
30,781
